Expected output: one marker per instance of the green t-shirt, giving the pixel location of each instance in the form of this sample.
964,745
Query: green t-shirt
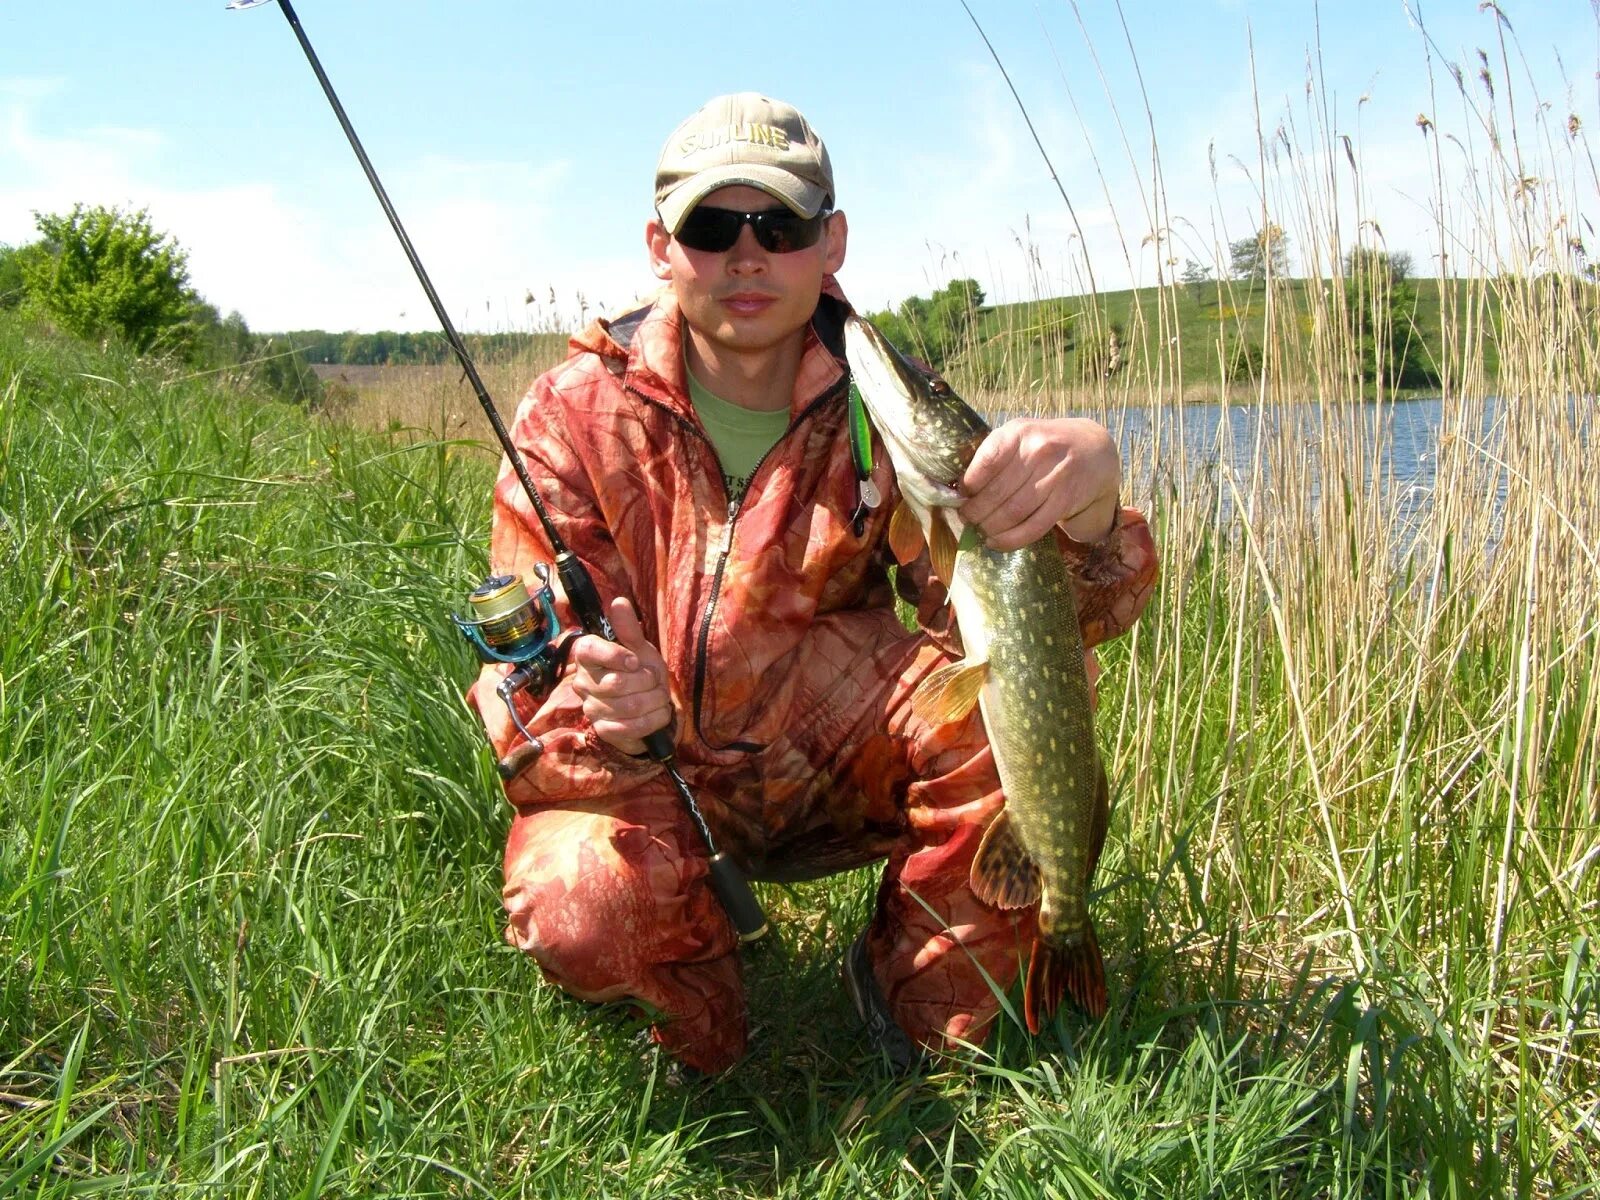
740,435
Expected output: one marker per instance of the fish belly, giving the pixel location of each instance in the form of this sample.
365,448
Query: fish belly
1015,609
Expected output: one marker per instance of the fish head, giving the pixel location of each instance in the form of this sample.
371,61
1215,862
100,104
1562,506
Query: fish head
930,432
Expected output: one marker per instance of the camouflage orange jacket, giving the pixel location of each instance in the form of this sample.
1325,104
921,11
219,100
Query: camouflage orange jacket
725,590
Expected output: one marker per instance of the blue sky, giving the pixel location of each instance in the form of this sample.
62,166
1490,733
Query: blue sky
518,140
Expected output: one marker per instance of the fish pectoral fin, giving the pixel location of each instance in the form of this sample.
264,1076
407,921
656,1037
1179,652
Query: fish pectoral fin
949,692
1003,872
905,534
942,547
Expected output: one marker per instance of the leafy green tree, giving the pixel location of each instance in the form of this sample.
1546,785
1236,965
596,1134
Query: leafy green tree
214,341
1264,251
935,328
99,272
913,314
279,366
952,318
13,265
102,271
1241,359
1196,278
10,277
898,330
1382,306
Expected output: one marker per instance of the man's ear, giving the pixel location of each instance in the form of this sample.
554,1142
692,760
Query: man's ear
657,239
835,234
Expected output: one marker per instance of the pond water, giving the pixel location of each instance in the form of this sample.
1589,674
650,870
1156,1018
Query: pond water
1401,437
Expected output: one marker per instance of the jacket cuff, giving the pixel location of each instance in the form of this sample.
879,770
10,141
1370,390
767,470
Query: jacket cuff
1082,552
612,758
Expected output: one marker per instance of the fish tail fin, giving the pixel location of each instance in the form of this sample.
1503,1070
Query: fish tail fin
1086,974
1077,970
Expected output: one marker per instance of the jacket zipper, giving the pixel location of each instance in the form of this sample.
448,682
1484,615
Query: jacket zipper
735,507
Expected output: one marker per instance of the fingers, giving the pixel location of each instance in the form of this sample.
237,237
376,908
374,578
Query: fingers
625,624
622,706
996,454
1008,501
623,684
603,670
596,656
628,734
631,653
1014,529
1031,474
1011,486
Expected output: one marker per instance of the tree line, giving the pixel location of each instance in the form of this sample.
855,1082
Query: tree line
100,272
388,348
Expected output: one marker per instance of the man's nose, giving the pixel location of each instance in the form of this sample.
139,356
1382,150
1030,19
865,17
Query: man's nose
747,253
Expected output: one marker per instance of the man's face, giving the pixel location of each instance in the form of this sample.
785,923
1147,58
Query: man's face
746,299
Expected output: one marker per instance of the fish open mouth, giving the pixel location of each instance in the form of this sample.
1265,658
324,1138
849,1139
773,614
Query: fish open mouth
899,401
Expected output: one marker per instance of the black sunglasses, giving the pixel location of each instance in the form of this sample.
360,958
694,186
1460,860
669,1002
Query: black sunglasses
777,230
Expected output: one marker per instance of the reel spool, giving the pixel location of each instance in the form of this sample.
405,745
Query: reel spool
508,624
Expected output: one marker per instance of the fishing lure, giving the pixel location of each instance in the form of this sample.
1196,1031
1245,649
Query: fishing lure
861,455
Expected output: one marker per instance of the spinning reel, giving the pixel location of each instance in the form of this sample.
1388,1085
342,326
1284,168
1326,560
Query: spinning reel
510,625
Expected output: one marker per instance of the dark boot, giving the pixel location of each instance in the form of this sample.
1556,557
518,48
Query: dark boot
902,1055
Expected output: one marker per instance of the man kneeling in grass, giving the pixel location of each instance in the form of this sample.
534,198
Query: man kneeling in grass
695,454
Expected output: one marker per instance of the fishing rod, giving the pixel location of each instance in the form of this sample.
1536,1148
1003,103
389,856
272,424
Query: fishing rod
511,626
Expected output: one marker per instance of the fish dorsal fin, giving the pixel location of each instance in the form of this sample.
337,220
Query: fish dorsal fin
942,546
950,691
1003,872
905,534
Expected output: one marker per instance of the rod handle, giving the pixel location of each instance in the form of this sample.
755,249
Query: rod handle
658,745
584,597
733,889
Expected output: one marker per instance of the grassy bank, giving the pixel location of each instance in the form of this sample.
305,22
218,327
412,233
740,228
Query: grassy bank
250,875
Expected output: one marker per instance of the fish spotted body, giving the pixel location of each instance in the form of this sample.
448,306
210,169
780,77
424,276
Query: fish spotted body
1023,666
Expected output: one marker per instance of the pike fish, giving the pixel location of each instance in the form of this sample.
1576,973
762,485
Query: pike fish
1023,667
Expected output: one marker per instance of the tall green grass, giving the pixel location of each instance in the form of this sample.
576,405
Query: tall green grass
250,839
250,918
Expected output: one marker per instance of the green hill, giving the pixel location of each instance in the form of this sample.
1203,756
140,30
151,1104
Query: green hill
1199,337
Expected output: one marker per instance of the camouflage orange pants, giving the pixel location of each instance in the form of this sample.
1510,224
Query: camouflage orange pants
612,900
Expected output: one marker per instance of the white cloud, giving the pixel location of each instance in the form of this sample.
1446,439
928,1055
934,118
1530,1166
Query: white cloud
51,173
293,259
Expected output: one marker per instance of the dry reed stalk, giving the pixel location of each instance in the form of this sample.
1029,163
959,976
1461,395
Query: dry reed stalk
431,401
1415,676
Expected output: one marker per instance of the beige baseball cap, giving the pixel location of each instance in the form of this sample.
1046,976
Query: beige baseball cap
743,138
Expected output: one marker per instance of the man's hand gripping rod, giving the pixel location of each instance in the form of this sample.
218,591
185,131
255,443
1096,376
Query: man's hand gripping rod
732,888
